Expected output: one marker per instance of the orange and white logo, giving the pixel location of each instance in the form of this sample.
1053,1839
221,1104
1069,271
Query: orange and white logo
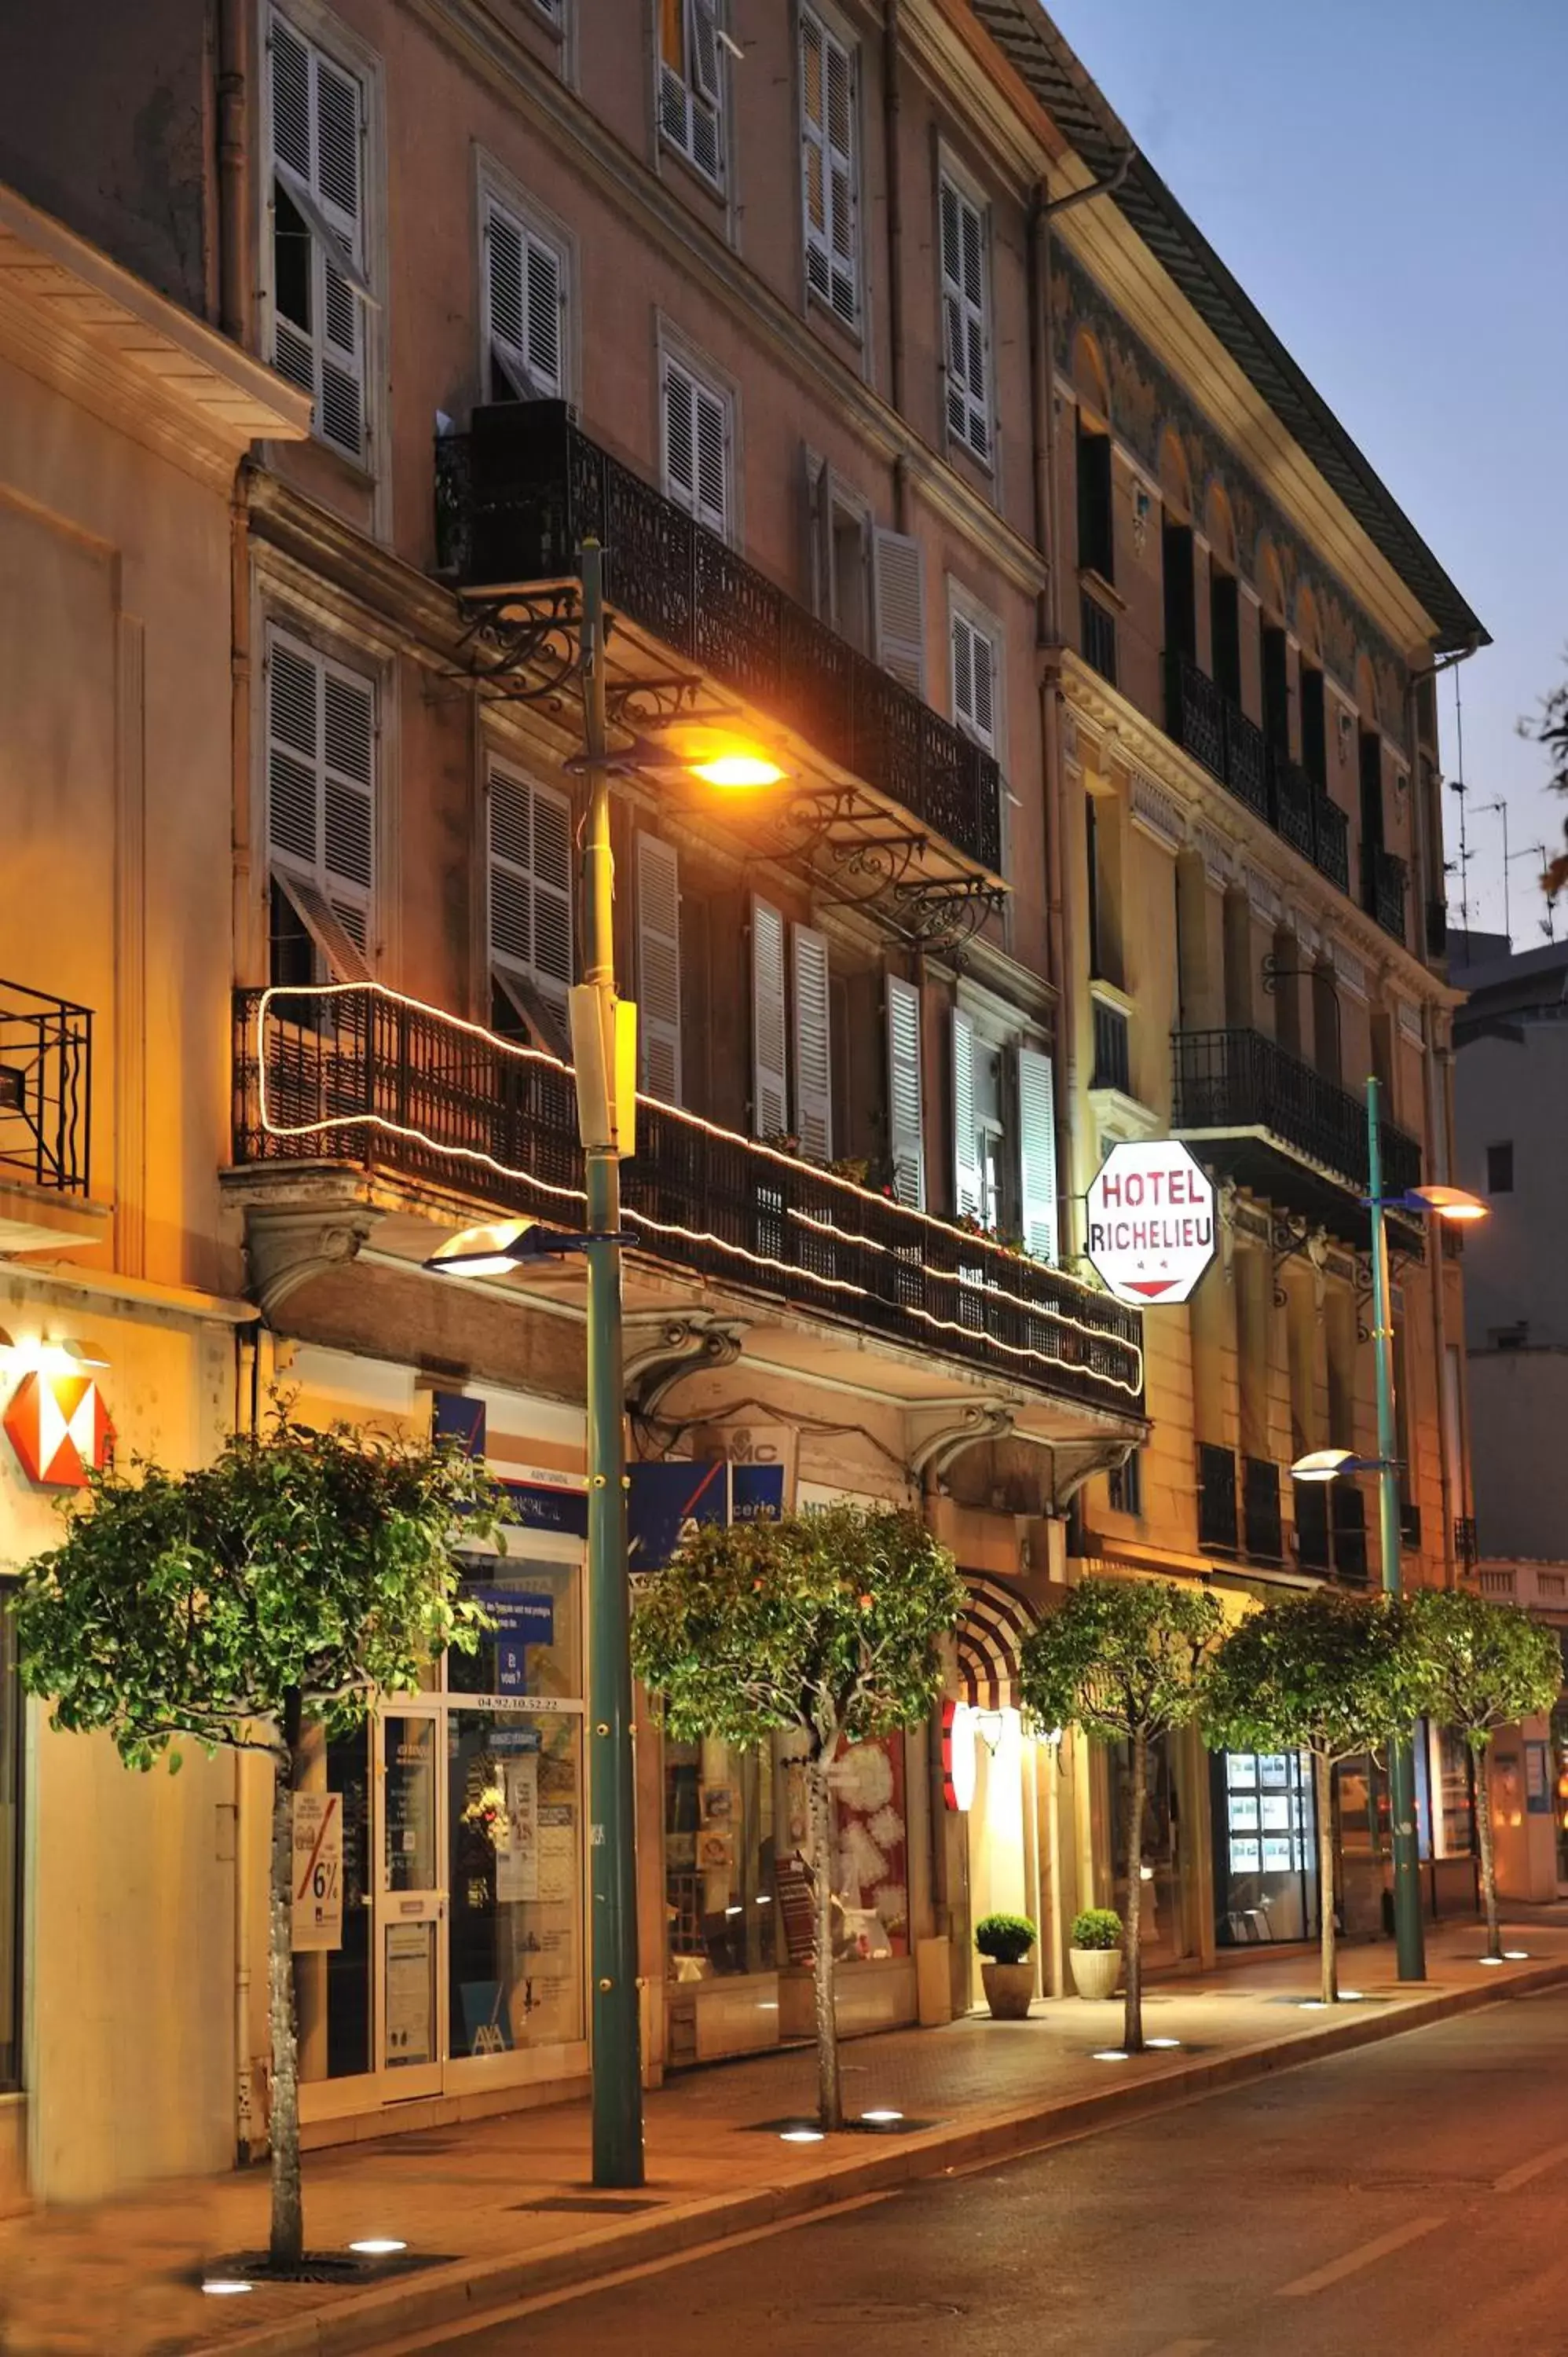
59,1427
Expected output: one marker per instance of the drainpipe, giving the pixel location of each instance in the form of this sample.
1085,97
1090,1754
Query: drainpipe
247,1417
233,170
892,67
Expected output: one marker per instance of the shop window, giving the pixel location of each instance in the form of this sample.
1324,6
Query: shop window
332,1985
871,1856
720,1853
1265,1842
10,1856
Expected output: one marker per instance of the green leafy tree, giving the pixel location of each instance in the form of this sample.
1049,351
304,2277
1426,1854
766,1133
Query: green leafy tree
1321,1672
1122,1660
1482,1665
296,1579
829,1625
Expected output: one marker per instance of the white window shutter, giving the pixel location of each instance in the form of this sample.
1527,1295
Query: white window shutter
680,437
967,1194
529,885
524,285
829,170
294,755
348,806
966,324
770,1042
553,896
905,1123
814,1047
321,795
658,967
900,607
712,420
705,56
697,447
973,681
1037,1154
318,152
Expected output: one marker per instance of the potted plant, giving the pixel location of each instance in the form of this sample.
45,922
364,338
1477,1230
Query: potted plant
1006,1942
1095,1952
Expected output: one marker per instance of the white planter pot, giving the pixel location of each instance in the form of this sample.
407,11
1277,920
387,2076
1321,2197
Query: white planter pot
1095,1971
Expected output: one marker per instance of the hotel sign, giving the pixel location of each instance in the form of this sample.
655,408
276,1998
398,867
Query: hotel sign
1151,1221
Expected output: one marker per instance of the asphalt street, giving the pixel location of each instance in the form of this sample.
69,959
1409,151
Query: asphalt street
1408,2197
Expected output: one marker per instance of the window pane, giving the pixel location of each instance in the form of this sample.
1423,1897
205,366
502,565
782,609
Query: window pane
515,1796
332,1987
10,1857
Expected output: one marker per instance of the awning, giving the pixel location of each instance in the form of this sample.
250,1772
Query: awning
989,1642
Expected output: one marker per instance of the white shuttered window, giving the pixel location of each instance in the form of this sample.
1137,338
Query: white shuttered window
813,1048
319,287
1037,1152
691,84
770,1023
658,967
698,461
900,593
829,170
321,799
973,680
905,1123
966,320
968,1185
529,830
525,309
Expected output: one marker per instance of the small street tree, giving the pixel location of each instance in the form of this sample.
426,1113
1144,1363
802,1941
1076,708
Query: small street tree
1324,1672
1482,1666
828,1624
296,1579
1123,1659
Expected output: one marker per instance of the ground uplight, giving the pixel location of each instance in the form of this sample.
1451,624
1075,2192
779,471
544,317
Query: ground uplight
378,2246
801,2136
225,2286
1112,2054
881,2119
1161,2041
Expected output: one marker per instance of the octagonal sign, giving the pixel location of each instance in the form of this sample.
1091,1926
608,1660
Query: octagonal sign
1151,1221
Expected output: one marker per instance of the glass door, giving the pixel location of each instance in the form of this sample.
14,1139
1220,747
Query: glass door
410,1900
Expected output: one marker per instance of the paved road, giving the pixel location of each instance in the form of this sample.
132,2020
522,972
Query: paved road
1404,2202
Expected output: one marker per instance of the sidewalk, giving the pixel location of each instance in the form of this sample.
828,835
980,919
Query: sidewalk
506,2204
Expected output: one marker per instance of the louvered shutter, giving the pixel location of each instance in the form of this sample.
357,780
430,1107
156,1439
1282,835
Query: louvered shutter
696,448
829,170
705,56
966,1167
813,1050
658,967
906,1125
680,437
1037,1154
529,885
770,1047
525,287
349,805
966,327
321,762
973,683
900,607
317,131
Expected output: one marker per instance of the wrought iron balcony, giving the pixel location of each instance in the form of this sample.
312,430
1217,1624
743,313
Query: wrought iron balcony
1205,723
361,1076
1281,1127
1384,878
46,1089
516,497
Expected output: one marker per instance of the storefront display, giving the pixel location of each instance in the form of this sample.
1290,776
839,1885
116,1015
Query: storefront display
1559,1788
10,1855
1265,1844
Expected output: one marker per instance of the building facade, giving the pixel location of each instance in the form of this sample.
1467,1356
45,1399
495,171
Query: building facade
936,456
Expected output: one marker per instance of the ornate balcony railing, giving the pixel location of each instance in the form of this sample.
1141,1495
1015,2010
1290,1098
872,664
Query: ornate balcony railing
1241,1080
515,499
1205,723
1384,878
46,1089
359,1075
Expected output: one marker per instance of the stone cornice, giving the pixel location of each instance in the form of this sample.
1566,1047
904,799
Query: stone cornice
1134,742
78,320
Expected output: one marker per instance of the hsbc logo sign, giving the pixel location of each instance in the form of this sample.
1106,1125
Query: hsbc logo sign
59,1428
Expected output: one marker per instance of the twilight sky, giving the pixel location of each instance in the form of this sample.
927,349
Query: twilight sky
1381,177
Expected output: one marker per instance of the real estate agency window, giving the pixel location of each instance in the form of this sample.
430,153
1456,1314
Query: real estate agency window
964,226
691,82
320,291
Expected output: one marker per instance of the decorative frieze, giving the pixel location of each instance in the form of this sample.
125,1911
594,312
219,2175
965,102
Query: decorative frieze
1155,813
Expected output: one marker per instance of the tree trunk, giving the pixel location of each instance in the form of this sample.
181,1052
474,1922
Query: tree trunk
287,2246
1323,1791
1133,1953
829,2096
1488,1855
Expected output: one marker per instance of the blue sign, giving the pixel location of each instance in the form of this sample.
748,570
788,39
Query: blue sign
459,1419
665,1499
540,1506
756,1493
521,1618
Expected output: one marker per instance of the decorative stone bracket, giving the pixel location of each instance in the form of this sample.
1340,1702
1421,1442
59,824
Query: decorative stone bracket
287,1244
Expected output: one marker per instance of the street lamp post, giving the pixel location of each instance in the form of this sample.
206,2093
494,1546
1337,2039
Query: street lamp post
612,1863
1409,1939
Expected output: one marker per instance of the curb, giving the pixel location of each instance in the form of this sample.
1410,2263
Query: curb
466,2291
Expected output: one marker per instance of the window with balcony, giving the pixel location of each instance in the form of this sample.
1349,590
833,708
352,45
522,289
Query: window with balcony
698,461
320,815
691,84
1274,650
523,318
1004,1164
791,1033
1124,1485
1314,727
830,171
320,287
966,316
906,1093
840,533
529,838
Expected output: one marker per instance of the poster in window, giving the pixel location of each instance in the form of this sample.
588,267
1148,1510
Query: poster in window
1276,1813
1245,1858
408,1995
1273,1768
1240,1770
1244,1809
317,1871
1279,1855
517,1850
